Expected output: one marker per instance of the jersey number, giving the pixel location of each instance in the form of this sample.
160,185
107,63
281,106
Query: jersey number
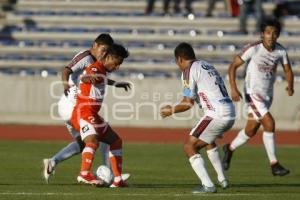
221,86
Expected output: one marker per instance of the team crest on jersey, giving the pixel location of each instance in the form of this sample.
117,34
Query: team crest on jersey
85,128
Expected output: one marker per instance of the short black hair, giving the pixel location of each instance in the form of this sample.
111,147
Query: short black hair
184,50
104,39
117,50
271,22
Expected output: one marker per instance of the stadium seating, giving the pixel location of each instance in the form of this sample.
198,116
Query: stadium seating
35,38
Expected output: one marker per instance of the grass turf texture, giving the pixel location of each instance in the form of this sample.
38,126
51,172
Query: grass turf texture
158,171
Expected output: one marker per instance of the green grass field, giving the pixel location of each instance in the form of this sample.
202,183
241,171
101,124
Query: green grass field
158,171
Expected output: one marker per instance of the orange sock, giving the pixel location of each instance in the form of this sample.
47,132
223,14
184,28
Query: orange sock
115,157
88,157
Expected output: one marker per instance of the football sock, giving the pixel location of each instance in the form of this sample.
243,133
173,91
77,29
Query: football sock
239,140
104,149
214,157
88,157
72,149
269,142
115,158
197,164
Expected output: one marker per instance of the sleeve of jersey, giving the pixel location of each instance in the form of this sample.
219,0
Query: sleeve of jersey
247,53
188,88
77,65
285,58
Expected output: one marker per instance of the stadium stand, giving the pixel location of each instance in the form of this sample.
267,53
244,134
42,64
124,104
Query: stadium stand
34,37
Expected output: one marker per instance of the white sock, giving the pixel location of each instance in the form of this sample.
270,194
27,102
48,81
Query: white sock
104,149
72,149
214,157
197,164
239,140
269,142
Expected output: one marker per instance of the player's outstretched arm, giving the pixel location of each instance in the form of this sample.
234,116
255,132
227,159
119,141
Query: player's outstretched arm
185,104
235,93
289,75
65,77
125,85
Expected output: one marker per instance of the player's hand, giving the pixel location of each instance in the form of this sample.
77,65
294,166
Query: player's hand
290,91
236,95
166,111
125,85
66,90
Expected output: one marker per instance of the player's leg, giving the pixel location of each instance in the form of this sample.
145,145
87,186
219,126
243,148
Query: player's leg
242,137
90,137
115,155
215,159
193,144
67,152
191,148
268,123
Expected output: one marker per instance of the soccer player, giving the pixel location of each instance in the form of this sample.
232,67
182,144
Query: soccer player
262,57
70,76
201,79
92,127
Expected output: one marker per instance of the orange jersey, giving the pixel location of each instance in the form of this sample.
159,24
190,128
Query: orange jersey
90,96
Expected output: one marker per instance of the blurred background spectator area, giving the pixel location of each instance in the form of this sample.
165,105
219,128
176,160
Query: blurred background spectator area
39,37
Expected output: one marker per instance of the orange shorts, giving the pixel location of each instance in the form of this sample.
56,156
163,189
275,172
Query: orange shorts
89,124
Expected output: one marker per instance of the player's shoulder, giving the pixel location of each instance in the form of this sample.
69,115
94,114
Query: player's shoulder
280,47
252,45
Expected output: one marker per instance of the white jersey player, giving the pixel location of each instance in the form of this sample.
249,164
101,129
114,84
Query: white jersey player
262,57
203,80
70,77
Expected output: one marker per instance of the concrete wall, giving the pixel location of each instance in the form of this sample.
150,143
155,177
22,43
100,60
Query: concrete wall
32,100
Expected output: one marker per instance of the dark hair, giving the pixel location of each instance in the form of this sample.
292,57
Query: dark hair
184,50
271,22
104,39
117,50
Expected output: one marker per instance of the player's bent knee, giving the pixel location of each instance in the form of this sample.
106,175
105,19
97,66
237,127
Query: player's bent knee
188,149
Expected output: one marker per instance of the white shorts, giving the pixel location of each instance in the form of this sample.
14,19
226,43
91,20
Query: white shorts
65,108
258,105
86,129
208,129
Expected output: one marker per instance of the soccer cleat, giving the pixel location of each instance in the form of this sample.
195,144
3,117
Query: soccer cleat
48,169
125,177
119,184
89,178
204,189
224,184
227,157
278,170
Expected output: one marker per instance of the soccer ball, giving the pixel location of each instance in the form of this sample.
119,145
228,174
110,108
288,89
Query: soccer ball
104,173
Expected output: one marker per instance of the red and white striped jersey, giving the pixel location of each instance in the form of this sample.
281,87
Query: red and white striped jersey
202,80
262,67
90,96
78,64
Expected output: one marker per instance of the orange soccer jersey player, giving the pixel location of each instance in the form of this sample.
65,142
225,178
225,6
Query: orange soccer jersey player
92,127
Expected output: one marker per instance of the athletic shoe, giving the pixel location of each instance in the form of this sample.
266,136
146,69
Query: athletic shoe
125,177
204,189
224,184
48,169
119,184
89,178
278,170
227,157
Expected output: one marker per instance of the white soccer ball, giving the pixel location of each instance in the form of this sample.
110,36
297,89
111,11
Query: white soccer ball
104,173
